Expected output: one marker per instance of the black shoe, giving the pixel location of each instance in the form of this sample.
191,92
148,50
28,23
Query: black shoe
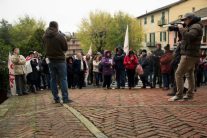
57,101
25,93
67,101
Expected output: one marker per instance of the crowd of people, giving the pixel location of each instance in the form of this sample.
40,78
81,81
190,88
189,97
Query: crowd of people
158,68
31,73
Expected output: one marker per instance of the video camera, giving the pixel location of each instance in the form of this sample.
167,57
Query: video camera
174,27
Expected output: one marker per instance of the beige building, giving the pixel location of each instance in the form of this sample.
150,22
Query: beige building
154,22
74,46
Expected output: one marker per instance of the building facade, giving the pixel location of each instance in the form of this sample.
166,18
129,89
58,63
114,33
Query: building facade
74,46
155,23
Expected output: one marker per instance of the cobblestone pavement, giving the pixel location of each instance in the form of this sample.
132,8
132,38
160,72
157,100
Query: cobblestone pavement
36,116
143,113
117,113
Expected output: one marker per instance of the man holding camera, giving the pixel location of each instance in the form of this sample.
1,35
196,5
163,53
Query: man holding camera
190,52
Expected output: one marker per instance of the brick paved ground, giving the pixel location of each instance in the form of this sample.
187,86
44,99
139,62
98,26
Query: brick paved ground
36,116
143,113
117,113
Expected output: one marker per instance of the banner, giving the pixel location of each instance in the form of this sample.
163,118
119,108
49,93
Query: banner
90,51
126,42
11,76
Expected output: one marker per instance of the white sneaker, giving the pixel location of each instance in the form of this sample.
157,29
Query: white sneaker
174,98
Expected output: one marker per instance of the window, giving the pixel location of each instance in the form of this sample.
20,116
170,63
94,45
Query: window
160,36
164,36
145,37
145,20
193,9
152,39
163,15
152,18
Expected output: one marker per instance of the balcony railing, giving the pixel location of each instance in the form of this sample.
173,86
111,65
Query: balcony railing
151,44
162,22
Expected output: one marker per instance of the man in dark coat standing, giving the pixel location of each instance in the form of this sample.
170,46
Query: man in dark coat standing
119,67
156,66
56,46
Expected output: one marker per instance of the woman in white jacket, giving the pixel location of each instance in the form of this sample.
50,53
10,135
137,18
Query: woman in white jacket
96,72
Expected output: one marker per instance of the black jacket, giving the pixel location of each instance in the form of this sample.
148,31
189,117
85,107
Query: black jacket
119,60
55,45
191,39
77,66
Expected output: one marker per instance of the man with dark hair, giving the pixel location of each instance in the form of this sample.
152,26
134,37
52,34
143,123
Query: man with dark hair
157,78
190,52
119,68
56,46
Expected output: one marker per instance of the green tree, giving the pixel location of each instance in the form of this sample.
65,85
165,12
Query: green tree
4,31
93,31
24,32
104,31
5,42
36,42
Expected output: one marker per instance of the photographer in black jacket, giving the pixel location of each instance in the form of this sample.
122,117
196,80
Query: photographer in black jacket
190,52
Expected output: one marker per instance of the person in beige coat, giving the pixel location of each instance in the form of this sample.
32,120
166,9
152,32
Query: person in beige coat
19,71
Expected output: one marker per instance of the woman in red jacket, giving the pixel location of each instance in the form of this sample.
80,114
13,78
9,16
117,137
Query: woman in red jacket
130,63
165,65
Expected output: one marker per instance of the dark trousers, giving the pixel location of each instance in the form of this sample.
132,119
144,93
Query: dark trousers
20,84
199,77
97,77
144,79
157,78
90,77
131,76
174,86
79,79
120,78
70,80
166,80
107,81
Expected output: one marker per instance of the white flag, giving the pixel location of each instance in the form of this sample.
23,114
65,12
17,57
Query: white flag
11,76
126,42
90,51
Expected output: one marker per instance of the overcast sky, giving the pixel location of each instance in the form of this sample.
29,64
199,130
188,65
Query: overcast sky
68,13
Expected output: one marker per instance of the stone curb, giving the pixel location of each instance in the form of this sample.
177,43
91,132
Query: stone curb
90,126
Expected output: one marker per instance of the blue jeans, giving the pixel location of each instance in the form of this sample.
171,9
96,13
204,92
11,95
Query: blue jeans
96,77
166,80
120,77
20,84
58,72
